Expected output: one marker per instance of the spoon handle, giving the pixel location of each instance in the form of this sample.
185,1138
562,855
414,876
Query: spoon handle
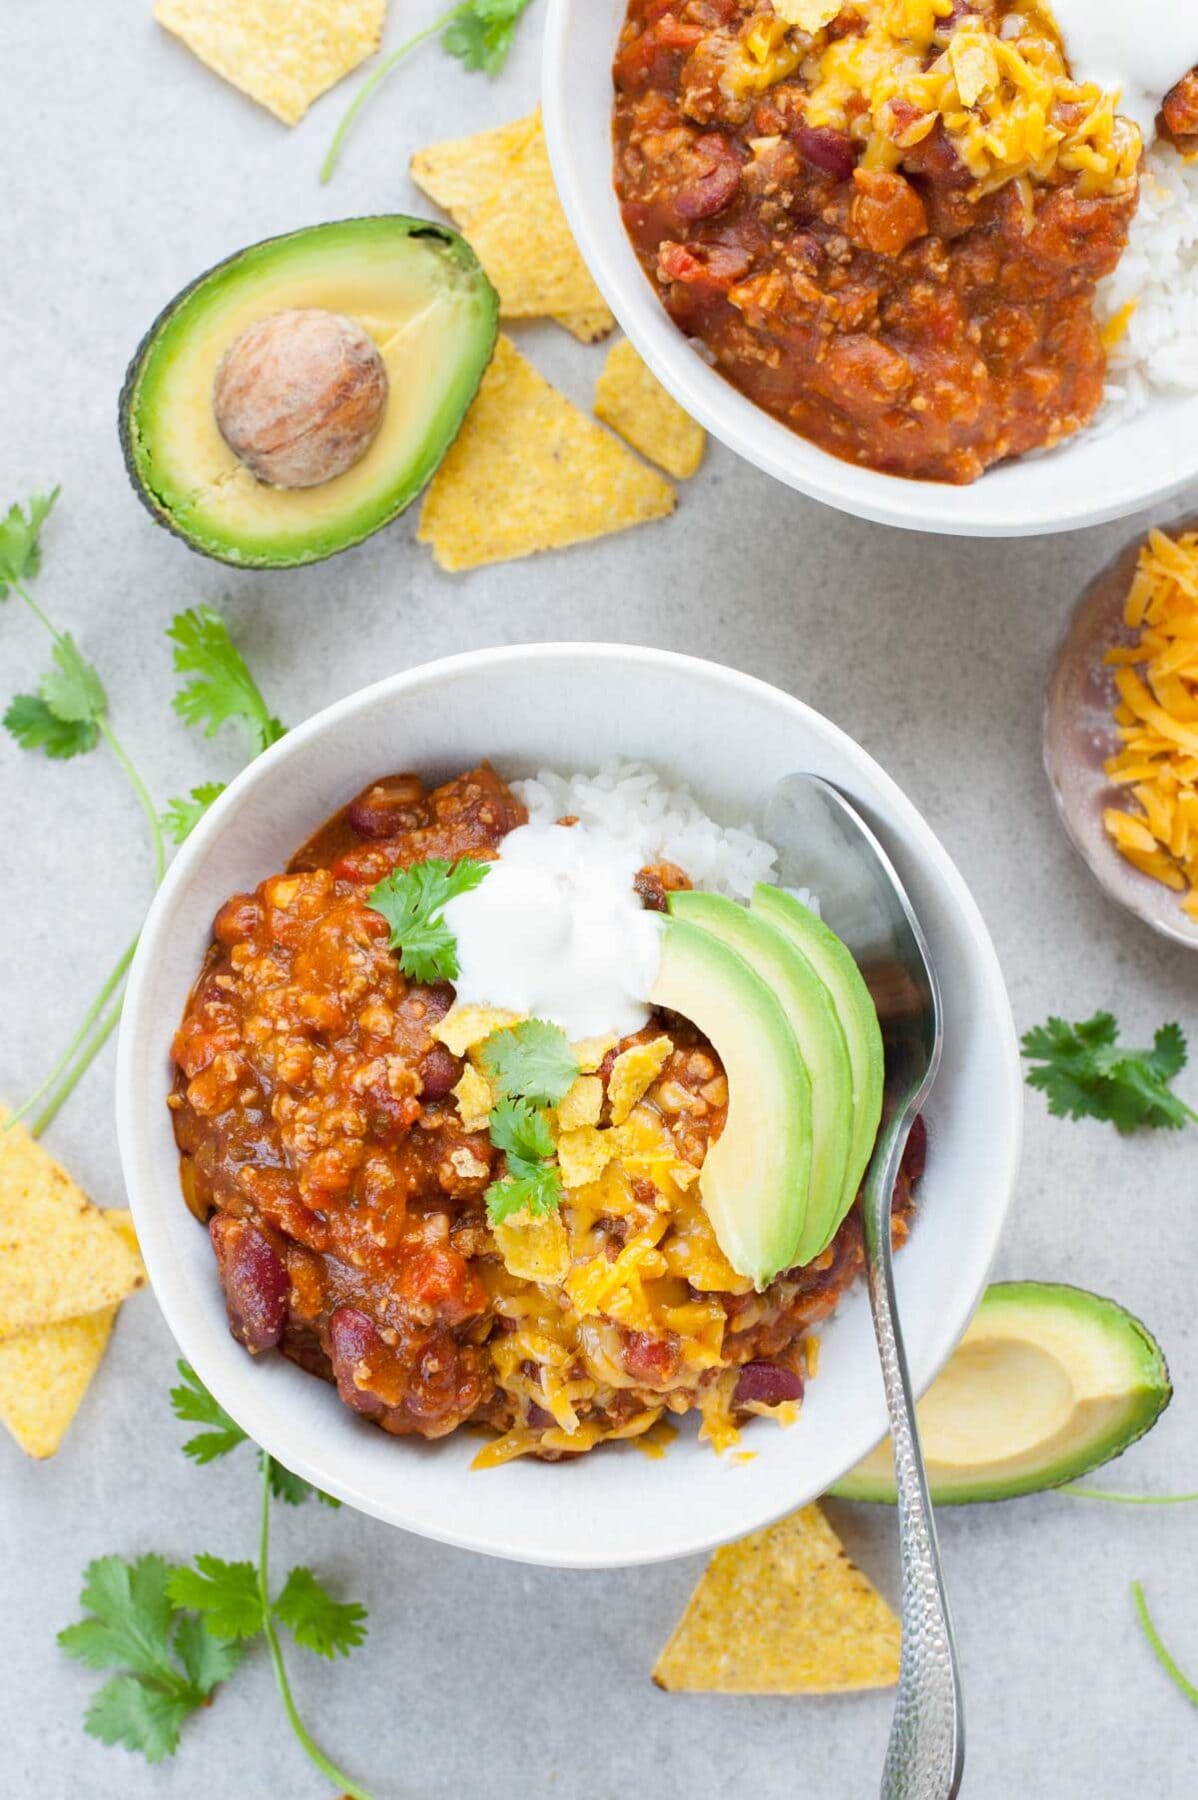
926,1753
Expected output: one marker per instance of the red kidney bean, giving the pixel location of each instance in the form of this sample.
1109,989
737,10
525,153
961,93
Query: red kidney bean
538,1419
440,1071
827,149
352,1337
388,807
714,184
254,1279
768,1384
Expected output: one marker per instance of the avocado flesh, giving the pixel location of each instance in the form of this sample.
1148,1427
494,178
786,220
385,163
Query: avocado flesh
1048,1382
754,1177
420,293
821,1040
834,965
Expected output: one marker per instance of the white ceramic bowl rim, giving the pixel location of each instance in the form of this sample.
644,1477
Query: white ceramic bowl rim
616,1508
1095,477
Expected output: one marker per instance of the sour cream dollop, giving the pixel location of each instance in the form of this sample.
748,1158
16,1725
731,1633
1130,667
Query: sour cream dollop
1140,49
556,931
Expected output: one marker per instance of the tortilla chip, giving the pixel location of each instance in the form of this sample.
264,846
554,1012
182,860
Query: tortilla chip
634,403
475,1099
534,1247
583,1155
282,53
58,1258
464,1026
582,1104
808,15
632,1072
120,1219
498,188
975,65
783,1611
530,472
588,327
590,1052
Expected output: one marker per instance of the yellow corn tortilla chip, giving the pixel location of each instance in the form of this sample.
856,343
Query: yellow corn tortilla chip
45,1372
282,53
975,65
498,188
590,1052
475,1099
464,1026
583,1155
529,472
582,1103
534,1247
783,1611
634,403
588,327
632,1072
58,1258
808,15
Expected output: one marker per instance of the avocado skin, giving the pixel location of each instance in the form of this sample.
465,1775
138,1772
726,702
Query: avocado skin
1146,1404
415,228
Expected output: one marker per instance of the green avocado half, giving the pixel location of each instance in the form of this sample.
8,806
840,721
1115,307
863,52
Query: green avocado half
418,291
1048,1382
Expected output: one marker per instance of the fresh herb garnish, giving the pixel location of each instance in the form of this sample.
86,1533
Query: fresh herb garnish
1089,1493
176,1631
222,687
1157,1646
532,1182
478,32
1086,1074
412,901
531,1061
182,816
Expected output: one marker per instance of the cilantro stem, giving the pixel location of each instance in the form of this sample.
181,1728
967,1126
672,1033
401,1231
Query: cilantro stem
84,1062
143,797
63,1063
1157,1647
313,1751
1089,1493
375,79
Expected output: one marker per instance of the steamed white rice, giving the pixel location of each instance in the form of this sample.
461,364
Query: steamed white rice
1157,277
630,801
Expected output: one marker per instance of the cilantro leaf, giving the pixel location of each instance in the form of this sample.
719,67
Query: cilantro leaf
316,1621
532,1060
131,1712
192,1403
1085,1073
35,727
182,816
224,1593
292,1488
20,545
72,689
412,901
536,1189
223,687
521,1131
481,33
208,1659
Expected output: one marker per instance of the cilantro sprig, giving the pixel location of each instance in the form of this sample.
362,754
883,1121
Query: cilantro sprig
530,1061
412,902
221,686
532,1181
478,32
172,1633
1085,1072
1158,1647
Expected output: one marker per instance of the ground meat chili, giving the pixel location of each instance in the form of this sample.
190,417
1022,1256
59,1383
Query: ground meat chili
322,1147
893,315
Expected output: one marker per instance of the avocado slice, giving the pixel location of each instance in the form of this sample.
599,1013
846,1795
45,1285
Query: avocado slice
418,291
1048,1382
821,1040
754,1177
834,965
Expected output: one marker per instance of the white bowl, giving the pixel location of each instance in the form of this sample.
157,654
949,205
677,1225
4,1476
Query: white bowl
574,706
1082,483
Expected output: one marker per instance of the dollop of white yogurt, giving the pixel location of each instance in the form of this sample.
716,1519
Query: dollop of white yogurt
1139,47
556,931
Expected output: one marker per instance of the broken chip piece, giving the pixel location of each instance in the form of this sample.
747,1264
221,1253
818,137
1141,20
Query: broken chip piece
634,403
530,472
783,1611
633,1071
282,53
498,188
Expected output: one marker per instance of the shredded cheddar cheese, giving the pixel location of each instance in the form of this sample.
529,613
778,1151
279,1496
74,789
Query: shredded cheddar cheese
1156,678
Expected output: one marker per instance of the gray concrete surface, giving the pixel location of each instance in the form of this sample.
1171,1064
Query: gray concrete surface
125,168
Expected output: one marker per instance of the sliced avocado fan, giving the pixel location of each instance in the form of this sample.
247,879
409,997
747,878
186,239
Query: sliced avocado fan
1048,1382
417,292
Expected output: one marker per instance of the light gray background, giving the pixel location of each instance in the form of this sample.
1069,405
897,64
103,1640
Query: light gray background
126,168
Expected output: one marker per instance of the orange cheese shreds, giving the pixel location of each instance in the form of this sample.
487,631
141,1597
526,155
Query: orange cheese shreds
1156,678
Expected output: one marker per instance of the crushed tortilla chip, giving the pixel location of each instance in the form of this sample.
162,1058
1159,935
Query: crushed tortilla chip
46,1371
529,472
534,1247
464,1026
808,15
783,1611
582,1104
634,403
975,66
590,1052
282,53
497,187
583,1155
632,1072
58,1258
120,1219
475,1099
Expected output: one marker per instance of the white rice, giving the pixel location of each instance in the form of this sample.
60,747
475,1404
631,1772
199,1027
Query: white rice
1158,271
630,801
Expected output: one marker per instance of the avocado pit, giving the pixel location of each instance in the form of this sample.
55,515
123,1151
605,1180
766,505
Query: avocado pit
299,396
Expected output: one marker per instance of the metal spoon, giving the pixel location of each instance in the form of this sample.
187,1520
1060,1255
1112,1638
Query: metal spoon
826,846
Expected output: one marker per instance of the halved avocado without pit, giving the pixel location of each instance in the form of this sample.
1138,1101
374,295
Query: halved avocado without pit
1048,1383
419,294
